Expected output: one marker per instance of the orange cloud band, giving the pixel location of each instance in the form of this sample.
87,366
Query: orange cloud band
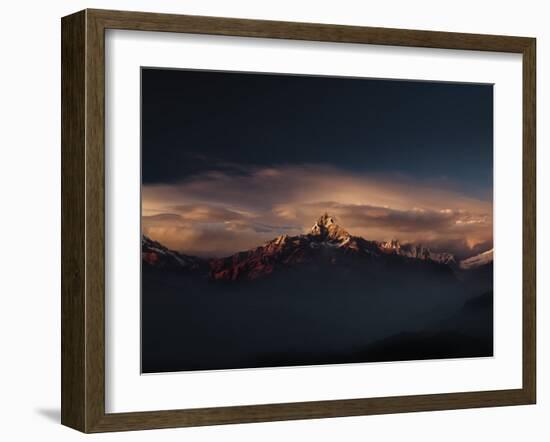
216,214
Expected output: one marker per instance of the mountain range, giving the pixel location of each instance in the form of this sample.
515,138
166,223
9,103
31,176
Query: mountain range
326,242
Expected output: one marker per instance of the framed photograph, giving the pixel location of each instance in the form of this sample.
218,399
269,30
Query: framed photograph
266,220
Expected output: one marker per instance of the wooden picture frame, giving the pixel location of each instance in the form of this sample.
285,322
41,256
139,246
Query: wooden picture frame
83,218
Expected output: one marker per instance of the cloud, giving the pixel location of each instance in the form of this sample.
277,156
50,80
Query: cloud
205,230
213,238
206,213
410,220
219,212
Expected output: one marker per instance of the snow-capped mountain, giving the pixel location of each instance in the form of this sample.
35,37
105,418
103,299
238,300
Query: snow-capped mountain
416,251
326,229
331,233
156,255
326,241
477,261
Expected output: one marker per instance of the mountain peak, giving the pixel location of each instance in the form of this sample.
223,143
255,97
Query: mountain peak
327,228
326,220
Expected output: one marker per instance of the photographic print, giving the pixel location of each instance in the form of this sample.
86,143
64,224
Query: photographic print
293,220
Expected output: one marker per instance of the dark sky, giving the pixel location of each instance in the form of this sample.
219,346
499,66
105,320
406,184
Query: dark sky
197,121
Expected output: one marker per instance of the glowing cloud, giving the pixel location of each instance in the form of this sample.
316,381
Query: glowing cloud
219,213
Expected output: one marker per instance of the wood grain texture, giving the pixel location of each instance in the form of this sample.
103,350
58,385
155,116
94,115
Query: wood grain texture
73,253
145,21
529,221
83,219
95,222
308,410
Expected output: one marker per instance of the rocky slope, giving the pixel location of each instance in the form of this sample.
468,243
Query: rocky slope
477,261
154,254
